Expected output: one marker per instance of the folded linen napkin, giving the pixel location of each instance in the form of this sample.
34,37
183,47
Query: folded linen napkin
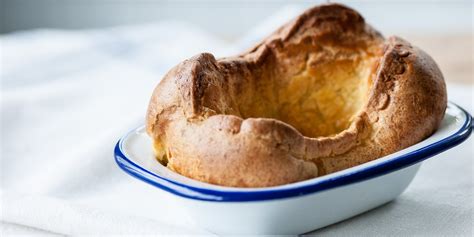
67,96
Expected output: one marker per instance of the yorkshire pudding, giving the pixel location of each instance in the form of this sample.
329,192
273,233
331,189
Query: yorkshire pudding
323,93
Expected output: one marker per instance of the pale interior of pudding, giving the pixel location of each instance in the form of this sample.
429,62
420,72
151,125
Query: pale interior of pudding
318,101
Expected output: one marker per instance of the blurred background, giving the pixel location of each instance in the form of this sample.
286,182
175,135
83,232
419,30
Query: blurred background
227,19
443,28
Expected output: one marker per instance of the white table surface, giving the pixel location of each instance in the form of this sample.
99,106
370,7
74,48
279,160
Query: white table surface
67,96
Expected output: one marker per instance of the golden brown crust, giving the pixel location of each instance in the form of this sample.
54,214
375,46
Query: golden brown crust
238,122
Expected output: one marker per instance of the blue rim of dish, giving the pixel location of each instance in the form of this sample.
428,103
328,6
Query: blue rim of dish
209,194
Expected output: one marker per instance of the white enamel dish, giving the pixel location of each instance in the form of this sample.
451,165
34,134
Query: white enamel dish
293,208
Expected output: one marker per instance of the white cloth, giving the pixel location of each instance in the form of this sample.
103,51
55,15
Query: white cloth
67,96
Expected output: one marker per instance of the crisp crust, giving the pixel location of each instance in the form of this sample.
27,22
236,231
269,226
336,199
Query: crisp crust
197,114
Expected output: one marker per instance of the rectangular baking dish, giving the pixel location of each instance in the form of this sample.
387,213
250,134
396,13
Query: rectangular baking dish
293,208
